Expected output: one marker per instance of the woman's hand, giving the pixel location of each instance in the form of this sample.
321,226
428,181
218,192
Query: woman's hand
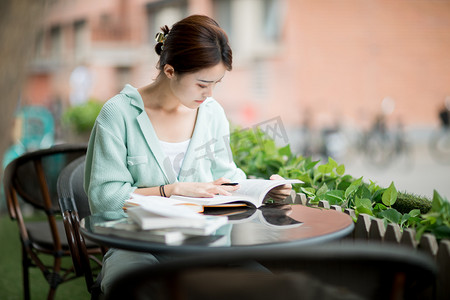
200,189
279,193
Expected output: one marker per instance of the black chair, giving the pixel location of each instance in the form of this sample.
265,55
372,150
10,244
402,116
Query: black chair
31,180
329,271
74,206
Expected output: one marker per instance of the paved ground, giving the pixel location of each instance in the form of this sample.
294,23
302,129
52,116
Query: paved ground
416,172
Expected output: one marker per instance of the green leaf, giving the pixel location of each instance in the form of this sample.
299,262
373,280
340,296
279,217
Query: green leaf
332,163
286,150
414,212
311,165
437,201
380,206
322,190
405,218
334,197
390,195
363,202
364,210
363,192
309,191
340,170
325,169
353,187
391,215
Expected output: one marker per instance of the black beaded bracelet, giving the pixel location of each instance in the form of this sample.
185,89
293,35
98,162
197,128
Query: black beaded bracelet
161,191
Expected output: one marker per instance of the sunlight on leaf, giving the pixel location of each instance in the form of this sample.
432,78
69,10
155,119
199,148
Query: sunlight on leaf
390,195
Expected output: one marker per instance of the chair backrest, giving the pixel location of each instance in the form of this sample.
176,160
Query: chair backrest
70,187
74,205
329,271
33,176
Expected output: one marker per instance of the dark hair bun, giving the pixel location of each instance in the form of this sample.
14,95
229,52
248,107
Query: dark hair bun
158,48
194,43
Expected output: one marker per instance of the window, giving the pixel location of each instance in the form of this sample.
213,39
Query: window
162,13
222,13
56,42
253,26
272,19
80,40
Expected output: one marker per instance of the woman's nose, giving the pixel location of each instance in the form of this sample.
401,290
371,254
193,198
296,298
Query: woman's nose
208,92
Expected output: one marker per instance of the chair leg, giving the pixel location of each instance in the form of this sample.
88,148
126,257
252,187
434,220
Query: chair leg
25,274
51,293
54,279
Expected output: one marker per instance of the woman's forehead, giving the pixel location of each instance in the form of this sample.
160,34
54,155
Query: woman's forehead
212,74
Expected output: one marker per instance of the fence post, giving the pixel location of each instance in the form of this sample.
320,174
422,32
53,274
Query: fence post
350,212
303,199
324,204
291,198
408,238
362,227
336,208
443,263
393,233
428,244
376,231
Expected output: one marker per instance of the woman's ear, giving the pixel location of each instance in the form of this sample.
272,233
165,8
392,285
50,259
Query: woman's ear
169,71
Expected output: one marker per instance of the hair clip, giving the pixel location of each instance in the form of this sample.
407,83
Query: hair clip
160,37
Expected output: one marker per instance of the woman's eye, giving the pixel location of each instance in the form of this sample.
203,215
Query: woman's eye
202,86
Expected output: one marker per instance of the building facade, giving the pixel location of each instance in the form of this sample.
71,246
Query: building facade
324,62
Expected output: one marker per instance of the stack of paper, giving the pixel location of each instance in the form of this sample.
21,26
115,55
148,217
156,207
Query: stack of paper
128,229
154,212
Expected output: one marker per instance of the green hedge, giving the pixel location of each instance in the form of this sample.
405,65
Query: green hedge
257,155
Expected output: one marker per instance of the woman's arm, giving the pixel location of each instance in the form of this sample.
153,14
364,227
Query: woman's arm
191,189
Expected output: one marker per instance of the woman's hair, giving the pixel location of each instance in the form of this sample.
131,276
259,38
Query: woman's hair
194,43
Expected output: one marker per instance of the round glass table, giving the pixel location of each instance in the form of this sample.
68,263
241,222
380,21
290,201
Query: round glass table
270,226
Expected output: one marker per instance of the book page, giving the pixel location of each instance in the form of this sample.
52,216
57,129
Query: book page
258,188
251,191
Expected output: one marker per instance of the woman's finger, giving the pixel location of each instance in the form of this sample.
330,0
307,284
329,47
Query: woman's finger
221,180
276,177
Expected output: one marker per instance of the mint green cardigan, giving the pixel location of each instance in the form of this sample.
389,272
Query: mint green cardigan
124,152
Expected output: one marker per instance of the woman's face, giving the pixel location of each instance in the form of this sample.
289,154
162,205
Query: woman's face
193,88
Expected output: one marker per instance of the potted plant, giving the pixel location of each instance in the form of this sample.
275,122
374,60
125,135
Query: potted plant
78,120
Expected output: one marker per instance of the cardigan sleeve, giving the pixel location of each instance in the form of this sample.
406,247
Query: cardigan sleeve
108,182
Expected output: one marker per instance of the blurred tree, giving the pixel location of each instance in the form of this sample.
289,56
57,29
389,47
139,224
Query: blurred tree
19,22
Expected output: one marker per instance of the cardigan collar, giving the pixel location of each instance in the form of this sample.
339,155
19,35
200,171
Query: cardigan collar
152,139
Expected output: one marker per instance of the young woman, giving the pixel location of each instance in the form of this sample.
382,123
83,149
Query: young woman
169,137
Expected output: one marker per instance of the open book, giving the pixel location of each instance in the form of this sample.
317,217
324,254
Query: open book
251,192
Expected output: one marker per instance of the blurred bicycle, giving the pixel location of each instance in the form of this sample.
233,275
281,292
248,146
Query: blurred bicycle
440,139
382,146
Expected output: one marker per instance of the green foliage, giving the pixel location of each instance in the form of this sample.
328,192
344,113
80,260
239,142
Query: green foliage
82,117
257,155
437,220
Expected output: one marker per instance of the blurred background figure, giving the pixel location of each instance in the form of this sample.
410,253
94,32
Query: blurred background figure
440,139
